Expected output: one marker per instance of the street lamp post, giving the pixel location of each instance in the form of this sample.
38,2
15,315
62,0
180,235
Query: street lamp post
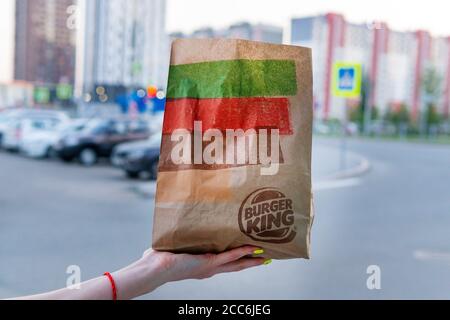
367,106
347,80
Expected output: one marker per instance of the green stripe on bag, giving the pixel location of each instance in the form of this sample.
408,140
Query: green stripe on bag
233,79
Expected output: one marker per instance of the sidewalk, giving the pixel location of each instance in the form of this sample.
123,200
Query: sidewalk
326,163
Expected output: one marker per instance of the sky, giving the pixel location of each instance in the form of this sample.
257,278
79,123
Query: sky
187,15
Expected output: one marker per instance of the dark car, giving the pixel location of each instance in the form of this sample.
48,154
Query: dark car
138,158
98,139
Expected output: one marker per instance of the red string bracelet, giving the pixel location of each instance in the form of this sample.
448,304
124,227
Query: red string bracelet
113,285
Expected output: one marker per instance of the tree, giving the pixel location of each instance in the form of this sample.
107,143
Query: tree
357,115
431,86
398,116
432,117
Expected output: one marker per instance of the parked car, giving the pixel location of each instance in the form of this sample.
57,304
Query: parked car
20,128
11,126
156,122
98,139
5,118
3,126
138,158
41,143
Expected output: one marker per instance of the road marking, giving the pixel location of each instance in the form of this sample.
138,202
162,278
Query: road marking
363,167
335,184
424,255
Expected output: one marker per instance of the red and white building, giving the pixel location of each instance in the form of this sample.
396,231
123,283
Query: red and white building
393,62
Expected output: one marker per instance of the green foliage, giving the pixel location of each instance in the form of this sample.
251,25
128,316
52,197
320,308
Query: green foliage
431,83
398,116
357,115
432,117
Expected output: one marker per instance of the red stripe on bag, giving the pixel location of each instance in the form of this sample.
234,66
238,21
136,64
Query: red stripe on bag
232,113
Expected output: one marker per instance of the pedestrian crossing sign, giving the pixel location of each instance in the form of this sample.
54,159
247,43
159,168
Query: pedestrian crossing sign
347,78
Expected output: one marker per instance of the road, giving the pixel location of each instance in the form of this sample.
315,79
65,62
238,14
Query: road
397,217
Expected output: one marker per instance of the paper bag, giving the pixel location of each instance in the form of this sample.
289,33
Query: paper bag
235,163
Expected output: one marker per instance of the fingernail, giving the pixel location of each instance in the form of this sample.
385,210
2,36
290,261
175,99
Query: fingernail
267,262
259,251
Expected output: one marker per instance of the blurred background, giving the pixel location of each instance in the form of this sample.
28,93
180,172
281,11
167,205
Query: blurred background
82,96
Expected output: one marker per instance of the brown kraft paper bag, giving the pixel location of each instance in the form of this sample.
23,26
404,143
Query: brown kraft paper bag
235,163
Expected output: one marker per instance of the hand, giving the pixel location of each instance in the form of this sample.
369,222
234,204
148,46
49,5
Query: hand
157,268
175,267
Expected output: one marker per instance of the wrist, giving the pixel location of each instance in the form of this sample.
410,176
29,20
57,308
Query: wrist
137,279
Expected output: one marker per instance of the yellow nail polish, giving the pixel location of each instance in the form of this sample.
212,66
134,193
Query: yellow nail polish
267,262
259,251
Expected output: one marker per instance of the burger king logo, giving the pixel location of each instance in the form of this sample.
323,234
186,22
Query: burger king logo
267,215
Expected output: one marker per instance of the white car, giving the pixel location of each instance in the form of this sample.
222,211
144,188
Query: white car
41,143
24,126
3,126
156,122
5,118
11,129
12,134
19,129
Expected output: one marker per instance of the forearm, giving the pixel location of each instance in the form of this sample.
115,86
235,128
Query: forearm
156,268
131,282
95,289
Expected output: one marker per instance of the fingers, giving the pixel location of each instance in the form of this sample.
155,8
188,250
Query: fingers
234,255
242,264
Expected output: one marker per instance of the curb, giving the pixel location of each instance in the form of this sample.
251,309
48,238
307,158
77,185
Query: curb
362,168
